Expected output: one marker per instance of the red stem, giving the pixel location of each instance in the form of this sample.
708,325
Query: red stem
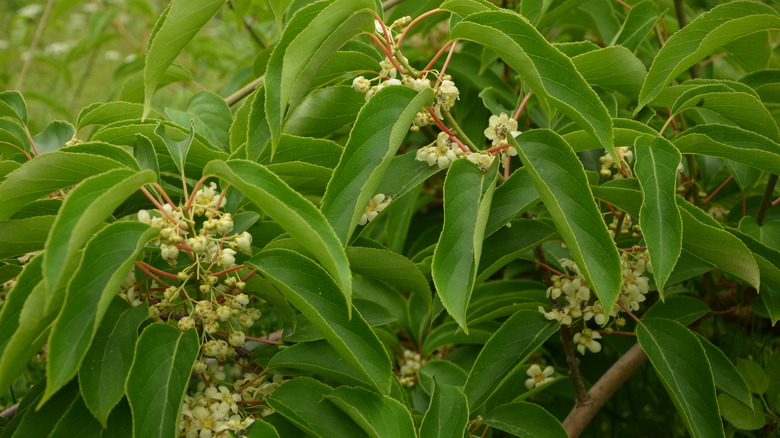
389,56
403,34
550,268
444,67
385,32
663,25
441,126
436,58
744,207
152,276
775,202
265,341
241,389
720,312
603,332
194,191
165,195
506,167
716,191
627,311
159,207
624,4
234,268
498,148
156,271
614,213
634,249
522,105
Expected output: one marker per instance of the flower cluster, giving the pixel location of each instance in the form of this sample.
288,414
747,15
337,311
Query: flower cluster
626,226
537,376
607,162
407,373
375,206
573,300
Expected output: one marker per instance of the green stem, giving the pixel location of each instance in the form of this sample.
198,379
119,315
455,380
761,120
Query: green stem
692,175
458,130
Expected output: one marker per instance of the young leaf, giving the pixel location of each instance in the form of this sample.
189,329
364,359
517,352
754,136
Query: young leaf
378,415
512,197
706,34
562,184
681,363
732,143
294,213
300,400
380,128
550,74
12,105
105,262
656,170
312,35
177,149
508,348
640,21
210,115
104,370
467,197
180,21
54,136
158,379
447,414
309,288
526,420
145,155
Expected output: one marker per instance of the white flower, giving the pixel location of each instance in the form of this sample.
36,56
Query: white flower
375,206
482,160
498,128
227,258
392,82
197,243
225,224
361,84
388,69
144,217
169,252
587,339
244,241
186,323
447,94
112,55
538,376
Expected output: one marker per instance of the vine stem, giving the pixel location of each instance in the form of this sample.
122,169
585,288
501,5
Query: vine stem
415,21
441,126
151,275
436,58
716,191
444,67
522,105
458,130
387,53
581,415
245,91
574,367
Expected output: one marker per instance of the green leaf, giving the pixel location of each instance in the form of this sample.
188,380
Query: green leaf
656,170
706,34
54,136
172,31
105,262
450,333
625,133
464,8
681,308
104,370
718,247
614,68
13,138
210,115
757,379
300,400
12,105
372,144
525,420
77,421
341,63
467,196
42,421
507,349
25,184
317,151
562,184
318,357
158,379
106,113
278,7
745,176
295,214
510,243
640,21
681,363
447,414
27,280
143,151
390,267
261,429
443,371
24,235
732,143
177,149
550,74
312,35
379,415
726,376
739,415
103,149
512,197
83,213
309,288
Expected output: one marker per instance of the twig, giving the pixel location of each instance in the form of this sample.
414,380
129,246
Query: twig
249,28
602,390
9,413
583,397
767,199
245,91
34,44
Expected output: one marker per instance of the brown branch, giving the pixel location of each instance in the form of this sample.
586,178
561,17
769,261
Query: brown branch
766,201
616,375
9,413
574,367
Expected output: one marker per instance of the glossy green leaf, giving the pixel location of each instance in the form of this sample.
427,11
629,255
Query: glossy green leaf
656,169
508,348
107,150
511,198
105,262
390,267
757,379
732,143
13,138
25,184
83,213
105,113
210,116
43,420
261,429
320,358
718,247
467,197
447,413
295,214
612,68
450,333
378,415
625,134
726,376
341,63
24,235
704,35
405,173
278,7
526,420
27,280
509,243
77,421
177,149
143,151
312,35
304,178
104,370
550,74
325,112
54,136
765,83
372,144
301,401
681,363
180,21
12,105
464,8
443,371
310,150
560,179
159,378
309,288
681,308
639,23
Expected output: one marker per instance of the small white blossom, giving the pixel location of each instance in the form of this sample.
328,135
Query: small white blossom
361,84
498,128
587,339
537,376
375,206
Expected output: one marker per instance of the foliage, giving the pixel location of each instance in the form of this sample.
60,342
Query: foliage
343,218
